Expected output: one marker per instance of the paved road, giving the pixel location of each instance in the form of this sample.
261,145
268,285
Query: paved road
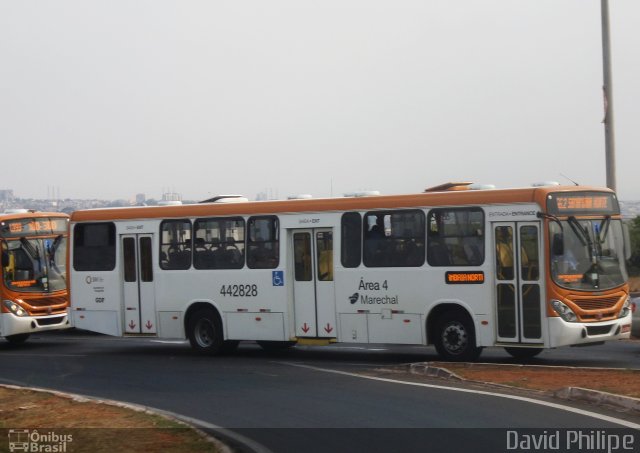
264,396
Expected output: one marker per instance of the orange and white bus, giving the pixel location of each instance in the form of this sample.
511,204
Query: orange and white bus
524,269
34,272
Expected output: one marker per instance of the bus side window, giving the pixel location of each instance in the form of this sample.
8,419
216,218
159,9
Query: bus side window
351,239
394,238
175,244
455,237
94,247
263,242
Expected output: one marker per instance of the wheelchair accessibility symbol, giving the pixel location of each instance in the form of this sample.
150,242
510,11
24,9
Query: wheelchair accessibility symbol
277,278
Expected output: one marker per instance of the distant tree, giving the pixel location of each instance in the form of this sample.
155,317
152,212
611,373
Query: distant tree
634,233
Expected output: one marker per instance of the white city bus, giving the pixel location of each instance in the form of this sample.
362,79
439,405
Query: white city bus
461,269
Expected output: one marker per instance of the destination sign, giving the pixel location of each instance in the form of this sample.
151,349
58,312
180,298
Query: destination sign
464,278
582,203
32,227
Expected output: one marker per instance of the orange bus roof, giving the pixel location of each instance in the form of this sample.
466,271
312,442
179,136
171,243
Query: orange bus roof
445,198
31,215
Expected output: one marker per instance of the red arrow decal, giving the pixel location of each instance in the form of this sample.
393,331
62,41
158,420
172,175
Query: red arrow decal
132,325
305,328
148,325
328,329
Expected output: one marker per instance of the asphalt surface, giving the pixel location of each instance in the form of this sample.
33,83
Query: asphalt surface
306,398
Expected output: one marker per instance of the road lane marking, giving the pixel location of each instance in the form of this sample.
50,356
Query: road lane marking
15,354
477,392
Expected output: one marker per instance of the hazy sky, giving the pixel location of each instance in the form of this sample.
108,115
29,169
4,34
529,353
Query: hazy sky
108,99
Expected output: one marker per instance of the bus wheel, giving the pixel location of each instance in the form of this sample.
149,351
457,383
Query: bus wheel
455,338
272,346
204,330
17,339
523,353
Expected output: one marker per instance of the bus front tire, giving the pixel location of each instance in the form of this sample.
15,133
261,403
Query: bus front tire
18,338
523,353
204,329
456,338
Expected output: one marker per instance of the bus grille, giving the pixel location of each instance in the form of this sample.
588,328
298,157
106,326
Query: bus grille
50,321
598,330
595,303
53,305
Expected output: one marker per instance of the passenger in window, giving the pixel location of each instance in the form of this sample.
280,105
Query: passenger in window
325,265
504,254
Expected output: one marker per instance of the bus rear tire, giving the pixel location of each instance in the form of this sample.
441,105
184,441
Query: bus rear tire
204,329
523,353
18,338
455,338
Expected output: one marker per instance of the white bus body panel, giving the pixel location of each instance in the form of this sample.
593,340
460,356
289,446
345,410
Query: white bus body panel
363,305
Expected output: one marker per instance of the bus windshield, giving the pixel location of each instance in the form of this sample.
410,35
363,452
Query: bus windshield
34,265
587,254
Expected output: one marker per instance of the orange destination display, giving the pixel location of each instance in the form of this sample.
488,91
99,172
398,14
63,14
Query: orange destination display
582,203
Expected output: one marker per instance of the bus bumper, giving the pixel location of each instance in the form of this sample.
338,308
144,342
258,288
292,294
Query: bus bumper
11,324
564,333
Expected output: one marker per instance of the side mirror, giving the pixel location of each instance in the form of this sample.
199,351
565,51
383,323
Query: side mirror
558,244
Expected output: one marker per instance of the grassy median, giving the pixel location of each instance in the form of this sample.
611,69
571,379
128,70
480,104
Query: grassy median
80,425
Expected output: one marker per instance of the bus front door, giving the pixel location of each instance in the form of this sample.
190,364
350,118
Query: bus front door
313,287
138,287
518,282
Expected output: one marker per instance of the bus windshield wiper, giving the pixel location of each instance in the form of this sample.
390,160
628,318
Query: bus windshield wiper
30,249
580,232
585,239
604,229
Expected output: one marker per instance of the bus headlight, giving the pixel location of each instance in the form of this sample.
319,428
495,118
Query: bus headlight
565,312
626,309
15,308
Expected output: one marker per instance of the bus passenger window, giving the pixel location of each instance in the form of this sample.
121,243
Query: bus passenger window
263,242
219,243
504,253
351,239
94,247
175,244
324,246
394,238
455,237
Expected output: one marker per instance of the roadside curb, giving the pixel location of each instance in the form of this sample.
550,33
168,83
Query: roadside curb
134,407
424,368
597,397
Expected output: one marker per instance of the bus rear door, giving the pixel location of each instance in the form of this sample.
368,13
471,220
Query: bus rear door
313,286
518,282
138,287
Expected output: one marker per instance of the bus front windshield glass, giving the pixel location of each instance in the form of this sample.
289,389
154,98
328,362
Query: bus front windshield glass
34,265
587,254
